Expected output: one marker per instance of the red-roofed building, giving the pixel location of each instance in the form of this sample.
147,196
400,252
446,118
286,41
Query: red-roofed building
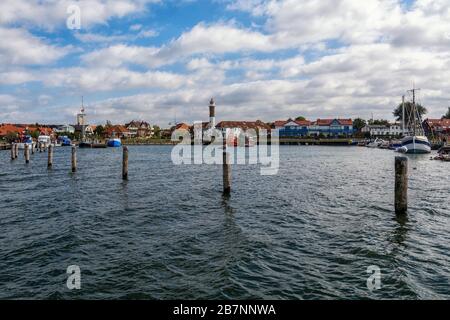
139,128
279,124
7,128
437,127
294,128
234,130
331,127
117,131
43,131
182,126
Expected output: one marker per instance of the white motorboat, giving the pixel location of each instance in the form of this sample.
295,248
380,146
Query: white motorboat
44,141
376,143
56,144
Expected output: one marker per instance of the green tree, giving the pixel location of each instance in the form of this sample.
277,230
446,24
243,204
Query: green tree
378,122
35,134
301,118
157,131
99,130
11,136
447,115
359,123
398,112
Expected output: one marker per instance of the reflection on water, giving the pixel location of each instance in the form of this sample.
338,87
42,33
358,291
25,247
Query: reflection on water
401,230
168,232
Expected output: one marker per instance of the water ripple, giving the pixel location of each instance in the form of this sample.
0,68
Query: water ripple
309,232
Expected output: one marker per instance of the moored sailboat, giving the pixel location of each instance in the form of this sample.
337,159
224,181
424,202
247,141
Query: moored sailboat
414,140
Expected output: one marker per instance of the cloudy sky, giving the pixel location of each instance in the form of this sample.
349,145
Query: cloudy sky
161,60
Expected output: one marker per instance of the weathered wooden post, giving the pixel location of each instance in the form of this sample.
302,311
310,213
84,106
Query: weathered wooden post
27,153
74,159
125,163
226,167
32,148
16,152
401,185
13,151
50,156
40,147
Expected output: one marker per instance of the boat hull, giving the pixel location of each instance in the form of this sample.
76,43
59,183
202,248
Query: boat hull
114,143
84,145
416,145
22,145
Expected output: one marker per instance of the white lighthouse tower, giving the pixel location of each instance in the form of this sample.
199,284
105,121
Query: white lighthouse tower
81,120
81,117
212,114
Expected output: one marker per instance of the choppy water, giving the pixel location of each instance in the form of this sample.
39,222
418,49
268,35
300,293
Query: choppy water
309,232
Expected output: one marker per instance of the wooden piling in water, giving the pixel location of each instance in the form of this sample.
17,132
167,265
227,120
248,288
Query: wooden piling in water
401,185
226,173
40,147
50,156
74,159
13,151
27,153
16,152
125,163
226,167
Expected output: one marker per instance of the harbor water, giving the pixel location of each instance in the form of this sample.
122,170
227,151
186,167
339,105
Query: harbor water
309,232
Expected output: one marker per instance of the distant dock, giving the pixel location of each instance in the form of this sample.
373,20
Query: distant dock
5,146
317,142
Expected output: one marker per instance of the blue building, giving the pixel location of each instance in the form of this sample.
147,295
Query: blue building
321,127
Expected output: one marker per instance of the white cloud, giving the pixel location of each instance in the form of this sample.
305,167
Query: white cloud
345,58
19,47
89,37
51,14
105,79
94,37
15,77
202,39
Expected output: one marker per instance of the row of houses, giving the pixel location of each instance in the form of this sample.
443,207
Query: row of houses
289,128
134,129
320,127
129,130
387,130
23,129
437,127
432,128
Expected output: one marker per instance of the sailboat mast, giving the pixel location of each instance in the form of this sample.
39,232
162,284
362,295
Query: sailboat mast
414,110
403,115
